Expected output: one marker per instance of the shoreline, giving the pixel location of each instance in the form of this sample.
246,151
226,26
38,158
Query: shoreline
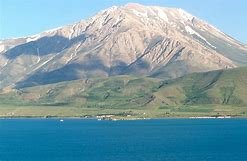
119,119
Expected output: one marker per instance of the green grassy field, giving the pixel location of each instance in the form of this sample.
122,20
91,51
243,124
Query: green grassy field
199,94
175,111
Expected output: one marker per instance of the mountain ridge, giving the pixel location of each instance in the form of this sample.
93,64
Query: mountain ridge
222,87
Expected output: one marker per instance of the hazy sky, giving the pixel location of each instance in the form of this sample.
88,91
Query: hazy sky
27,17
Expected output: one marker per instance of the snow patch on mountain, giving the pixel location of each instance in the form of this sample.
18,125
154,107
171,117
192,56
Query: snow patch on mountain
44,63
102,17
72,31
33,38
3,61
52,30
193,32
109,10
73,54
185,15
38,55
2,48
162,14
118,20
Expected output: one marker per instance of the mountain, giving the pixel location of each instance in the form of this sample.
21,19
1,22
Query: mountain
127,40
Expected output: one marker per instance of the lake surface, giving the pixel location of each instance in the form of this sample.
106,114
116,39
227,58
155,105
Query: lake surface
151,140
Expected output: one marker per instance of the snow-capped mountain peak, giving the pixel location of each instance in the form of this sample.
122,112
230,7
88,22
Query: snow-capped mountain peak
131,39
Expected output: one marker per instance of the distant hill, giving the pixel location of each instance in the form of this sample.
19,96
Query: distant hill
222,87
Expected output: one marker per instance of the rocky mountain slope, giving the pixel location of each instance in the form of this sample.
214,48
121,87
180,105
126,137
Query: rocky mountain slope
127,40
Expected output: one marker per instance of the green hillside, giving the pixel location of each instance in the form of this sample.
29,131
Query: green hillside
211,93
218,87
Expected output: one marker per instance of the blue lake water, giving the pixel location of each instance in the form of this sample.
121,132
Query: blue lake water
151,140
